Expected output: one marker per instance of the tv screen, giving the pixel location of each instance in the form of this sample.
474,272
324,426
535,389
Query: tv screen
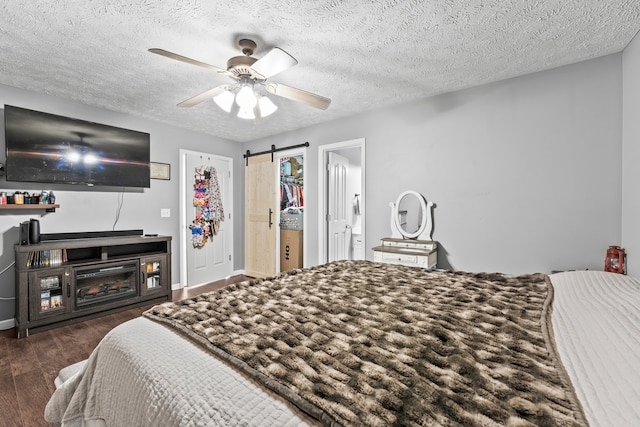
47,148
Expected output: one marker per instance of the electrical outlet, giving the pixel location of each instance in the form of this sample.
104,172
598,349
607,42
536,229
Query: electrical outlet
165,213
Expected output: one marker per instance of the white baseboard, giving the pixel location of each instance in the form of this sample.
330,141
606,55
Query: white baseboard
7,324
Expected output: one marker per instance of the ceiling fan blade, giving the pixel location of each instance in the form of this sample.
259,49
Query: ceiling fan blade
274,62
205,96
177,57
298,95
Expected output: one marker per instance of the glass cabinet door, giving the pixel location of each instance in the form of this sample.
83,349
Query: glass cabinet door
49,292
153,274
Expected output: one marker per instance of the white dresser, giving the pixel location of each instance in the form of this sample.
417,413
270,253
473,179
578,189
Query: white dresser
416,253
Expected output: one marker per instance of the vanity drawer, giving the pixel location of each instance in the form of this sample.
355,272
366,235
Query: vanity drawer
400,258
416,244
396,256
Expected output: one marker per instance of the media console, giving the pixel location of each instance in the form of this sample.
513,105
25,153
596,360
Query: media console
59,282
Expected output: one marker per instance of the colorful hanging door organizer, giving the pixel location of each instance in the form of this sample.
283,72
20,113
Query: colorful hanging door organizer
208,203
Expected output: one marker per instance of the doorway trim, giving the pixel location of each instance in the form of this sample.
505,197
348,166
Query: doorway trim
323,151
183,207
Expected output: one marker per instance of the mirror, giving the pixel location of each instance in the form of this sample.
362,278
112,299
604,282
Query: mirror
411,216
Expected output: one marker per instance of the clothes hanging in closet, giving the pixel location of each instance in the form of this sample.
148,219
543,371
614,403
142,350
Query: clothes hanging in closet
291,196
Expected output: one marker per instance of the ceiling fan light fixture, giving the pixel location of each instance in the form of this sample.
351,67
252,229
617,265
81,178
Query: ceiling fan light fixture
246,98
246,113
267,107
224,100
247,71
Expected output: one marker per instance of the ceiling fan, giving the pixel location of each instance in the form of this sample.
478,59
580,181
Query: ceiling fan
249,73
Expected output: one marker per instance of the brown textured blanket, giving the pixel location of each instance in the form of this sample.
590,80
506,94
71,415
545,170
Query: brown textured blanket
371,344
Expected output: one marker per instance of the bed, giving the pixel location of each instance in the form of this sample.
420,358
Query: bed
370,344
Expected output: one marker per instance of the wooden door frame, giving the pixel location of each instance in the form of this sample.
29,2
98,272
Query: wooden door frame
322,192
184,226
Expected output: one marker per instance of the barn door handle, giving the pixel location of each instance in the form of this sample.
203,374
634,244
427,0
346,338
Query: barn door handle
270,213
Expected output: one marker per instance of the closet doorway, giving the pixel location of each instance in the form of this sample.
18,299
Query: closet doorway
205,260
342,199
291,210
274,205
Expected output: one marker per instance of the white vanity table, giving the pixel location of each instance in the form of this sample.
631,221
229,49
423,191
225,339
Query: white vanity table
417,253
411,227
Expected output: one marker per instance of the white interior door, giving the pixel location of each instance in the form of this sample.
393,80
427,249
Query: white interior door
339,237
354,151
213,261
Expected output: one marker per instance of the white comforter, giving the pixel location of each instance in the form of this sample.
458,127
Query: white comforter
596,322
172,382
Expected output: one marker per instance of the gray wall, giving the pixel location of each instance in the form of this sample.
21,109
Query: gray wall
631,156
90,210
525,173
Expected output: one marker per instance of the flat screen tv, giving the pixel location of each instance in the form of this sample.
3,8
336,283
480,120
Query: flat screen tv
47,148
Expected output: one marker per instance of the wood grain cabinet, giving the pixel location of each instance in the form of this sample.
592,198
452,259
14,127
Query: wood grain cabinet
49,293
63,281
153,274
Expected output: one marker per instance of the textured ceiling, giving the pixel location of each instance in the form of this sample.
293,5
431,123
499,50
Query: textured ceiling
361,54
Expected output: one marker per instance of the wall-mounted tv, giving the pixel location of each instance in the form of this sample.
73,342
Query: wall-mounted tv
48,148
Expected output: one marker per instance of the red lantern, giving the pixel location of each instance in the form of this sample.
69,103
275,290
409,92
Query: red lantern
614,261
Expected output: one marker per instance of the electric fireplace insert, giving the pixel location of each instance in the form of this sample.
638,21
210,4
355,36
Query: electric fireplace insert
106,283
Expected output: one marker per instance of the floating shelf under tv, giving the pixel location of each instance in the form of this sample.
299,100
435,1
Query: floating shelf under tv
47,207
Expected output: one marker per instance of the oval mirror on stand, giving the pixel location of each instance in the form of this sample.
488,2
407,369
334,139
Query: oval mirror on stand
411,216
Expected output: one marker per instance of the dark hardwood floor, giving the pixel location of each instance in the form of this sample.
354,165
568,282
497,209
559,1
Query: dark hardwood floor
28,366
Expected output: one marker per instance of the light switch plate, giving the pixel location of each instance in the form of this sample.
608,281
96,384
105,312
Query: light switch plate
165,213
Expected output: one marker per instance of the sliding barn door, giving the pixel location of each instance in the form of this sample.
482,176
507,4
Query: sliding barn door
261,206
